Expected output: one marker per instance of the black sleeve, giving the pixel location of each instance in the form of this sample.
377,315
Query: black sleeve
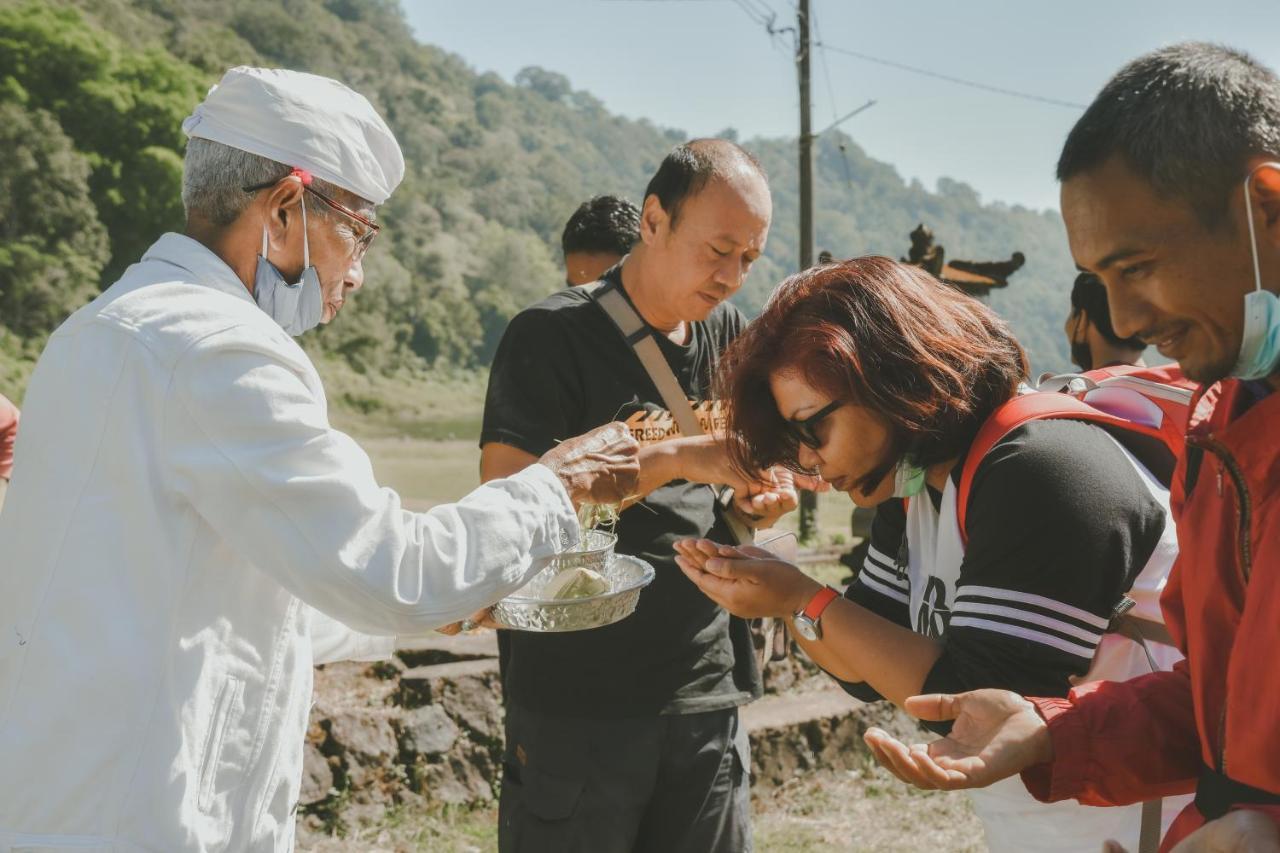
1059,524
534,398
880,587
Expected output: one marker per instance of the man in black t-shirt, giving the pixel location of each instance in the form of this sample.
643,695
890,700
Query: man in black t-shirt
627,737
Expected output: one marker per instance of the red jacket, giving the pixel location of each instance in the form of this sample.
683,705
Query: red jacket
8,434
1119,743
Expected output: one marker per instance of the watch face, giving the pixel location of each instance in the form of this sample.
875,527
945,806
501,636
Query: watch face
805,627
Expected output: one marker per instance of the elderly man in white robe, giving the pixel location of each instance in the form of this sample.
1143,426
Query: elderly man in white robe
186,535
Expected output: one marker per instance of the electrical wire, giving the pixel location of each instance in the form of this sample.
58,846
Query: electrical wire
959,81
831,94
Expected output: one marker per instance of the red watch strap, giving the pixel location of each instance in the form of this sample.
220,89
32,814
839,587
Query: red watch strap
817,604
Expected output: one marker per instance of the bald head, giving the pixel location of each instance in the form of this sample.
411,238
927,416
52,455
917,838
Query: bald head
688,169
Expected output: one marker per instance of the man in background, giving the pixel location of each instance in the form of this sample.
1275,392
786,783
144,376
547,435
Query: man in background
8,435
597,236
1094,342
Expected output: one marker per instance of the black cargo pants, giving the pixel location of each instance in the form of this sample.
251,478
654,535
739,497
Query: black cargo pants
668,784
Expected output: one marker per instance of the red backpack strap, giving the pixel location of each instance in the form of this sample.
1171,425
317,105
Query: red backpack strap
1021,410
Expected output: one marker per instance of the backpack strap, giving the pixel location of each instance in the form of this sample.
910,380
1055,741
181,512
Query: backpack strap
1023,409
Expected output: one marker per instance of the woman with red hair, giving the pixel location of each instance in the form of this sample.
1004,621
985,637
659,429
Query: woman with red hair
878,377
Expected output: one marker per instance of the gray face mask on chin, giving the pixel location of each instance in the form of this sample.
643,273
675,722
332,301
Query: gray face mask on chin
296,307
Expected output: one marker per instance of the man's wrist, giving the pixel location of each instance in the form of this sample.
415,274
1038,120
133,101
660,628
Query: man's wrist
685,457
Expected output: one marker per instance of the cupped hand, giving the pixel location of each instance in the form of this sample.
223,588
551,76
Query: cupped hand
764,501
747,581
996,734
598,467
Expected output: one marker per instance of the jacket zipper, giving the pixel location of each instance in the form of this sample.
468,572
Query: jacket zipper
1244,512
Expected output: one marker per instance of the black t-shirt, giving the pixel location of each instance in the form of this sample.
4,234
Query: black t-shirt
562,369
1059,525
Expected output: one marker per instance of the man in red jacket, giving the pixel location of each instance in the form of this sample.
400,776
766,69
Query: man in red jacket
8,435
1171,195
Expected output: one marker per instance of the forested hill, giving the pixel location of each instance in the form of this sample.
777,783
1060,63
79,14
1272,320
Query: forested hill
92,94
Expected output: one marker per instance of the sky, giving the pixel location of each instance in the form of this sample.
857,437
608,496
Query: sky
706,65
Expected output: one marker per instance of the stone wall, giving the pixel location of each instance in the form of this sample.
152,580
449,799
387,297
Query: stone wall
425,729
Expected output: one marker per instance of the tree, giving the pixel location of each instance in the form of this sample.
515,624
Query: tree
52,245
122,108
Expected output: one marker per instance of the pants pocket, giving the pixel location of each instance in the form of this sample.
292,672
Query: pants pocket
536,814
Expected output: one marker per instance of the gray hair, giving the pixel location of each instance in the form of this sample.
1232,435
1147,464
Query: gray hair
214,177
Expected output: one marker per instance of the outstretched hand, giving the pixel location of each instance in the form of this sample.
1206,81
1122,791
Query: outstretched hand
747,581
996,734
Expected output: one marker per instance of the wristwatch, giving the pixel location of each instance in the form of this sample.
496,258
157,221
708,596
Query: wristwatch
806,619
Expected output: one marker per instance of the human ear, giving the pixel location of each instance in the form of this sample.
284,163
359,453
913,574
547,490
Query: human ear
1265,196
653,219
282,205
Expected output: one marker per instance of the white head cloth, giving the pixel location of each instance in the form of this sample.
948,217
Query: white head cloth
304,121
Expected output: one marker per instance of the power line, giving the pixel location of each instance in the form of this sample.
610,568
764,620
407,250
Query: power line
959,81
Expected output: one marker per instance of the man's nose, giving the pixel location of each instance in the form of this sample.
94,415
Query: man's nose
731,272
354,279
1130,312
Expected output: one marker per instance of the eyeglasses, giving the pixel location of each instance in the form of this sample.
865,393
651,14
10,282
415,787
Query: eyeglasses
804,431
363,241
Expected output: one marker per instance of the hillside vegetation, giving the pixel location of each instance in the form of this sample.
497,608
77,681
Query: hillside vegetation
93,92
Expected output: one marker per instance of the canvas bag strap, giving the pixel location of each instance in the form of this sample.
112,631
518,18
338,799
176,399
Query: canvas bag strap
609,297
637,334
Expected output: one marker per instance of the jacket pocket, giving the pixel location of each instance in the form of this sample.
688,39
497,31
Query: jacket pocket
226,711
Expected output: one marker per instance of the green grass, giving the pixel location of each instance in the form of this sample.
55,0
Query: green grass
438,406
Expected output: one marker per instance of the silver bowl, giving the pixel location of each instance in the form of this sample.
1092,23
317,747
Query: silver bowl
594,552
526,610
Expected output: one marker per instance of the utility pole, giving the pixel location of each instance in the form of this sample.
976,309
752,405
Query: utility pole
808,500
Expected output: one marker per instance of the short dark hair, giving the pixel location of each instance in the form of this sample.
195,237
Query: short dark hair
605,223
691,166
1185,118
1090,296
931,361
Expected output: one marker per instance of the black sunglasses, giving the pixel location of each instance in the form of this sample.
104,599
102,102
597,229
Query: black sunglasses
804,431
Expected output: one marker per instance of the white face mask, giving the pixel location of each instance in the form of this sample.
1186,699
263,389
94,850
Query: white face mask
1260,343
296,307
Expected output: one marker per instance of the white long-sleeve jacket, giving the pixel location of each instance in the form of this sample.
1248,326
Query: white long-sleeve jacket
181,519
